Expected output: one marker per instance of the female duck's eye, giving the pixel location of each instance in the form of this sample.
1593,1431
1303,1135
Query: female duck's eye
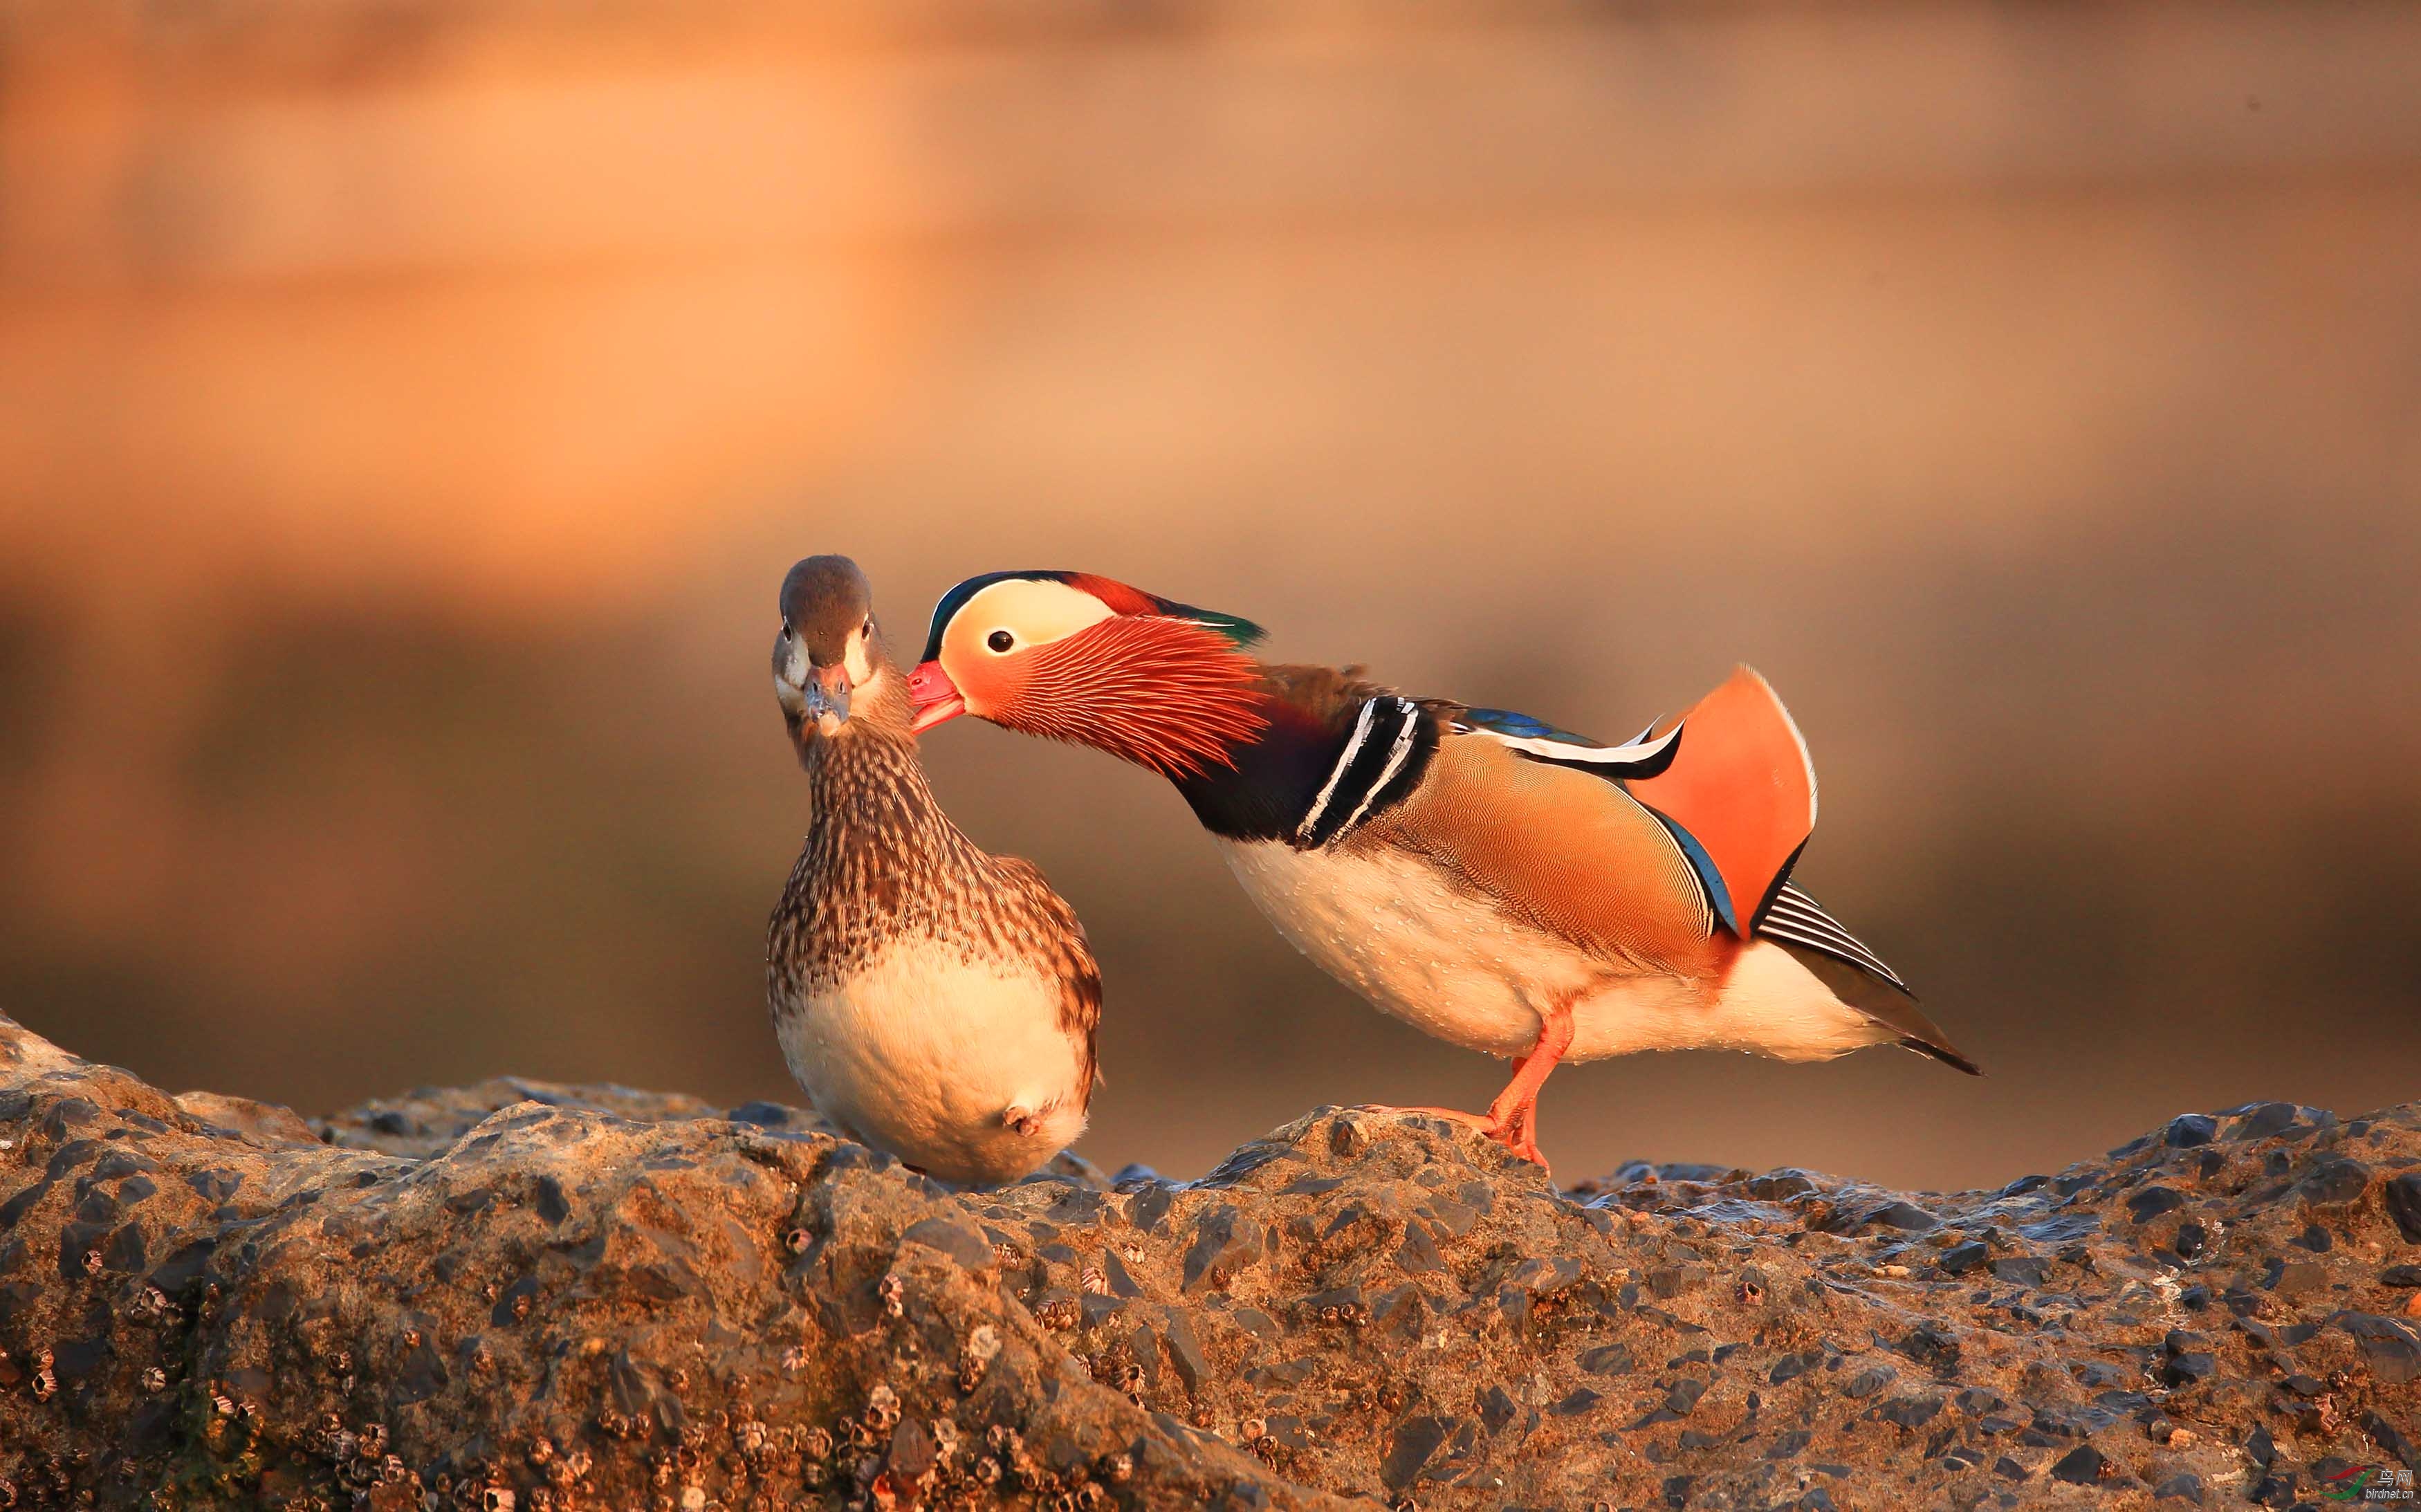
866,630
1000,640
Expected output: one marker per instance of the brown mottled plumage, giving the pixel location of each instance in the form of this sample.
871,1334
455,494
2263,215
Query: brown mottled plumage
934,1000
882,861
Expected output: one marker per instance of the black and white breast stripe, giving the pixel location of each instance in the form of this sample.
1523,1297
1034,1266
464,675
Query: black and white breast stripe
1390,741
1794,917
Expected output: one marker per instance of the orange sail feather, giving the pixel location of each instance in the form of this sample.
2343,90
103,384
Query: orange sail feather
1740,791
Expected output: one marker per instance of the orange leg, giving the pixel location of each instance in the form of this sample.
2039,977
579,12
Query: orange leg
1514,1114
1512,1119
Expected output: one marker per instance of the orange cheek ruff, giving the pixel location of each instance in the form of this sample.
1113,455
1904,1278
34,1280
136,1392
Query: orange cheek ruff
1161,692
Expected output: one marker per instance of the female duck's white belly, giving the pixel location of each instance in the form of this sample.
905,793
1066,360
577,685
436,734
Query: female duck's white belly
940,1061
1390,927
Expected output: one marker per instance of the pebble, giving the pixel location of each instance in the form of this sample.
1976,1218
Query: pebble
1960,1258
1905,1216
2403,1194
1910,1412
2018,1270
2084,1465
2151,1202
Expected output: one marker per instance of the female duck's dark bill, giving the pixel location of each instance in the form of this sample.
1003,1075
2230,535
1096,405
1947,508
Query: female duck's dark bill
936,696
827,692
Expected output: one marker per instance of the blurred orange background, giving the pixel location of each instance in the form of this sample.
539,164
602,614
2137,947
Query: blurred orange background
407,411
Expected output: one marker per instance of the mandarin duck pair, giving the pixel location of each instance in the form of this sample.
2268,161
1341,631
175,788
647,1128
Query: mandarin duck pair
1503,885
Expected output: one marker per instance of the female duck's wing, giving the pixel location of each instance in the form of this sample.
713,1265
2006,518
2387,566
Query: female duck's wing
1051,932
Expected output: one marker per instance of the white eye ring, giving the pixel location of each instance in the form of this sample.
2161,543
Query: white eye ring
1001,641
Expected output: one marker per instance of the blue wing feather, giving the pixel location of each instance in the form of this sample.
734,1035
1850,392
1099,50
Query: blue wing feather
1522,728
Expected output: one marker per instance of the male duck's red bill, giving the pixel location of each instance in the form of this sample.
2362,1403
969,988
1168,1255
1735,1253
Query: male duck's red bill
936,696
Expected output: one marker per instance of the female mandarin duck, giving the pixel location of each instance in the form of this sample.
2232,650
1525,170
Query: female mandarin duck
1503,885
934,1000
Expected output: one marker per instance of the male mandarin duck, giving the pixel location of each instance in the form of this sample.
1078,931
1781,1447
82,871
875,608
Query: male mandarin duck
934,1000
1503,885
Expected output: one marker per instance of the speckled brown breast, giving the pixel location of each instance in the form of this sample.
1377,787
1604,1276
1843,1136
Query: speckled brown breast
881,863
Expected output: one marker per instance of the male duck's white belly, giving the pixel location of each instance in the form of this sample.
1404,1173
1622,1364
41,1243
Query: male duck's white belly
937,1059
1452,966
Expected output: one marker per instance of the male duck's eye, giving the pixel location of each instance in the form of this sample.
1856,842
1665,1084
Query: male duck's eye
1000,640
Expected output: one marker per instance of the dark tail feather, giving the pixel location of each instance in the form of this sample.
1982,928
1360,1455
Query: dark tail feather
1943,1054
1893,1007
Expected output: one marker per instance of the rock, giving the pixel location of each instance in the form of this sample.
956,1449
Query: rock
532,1295
2404,1203
1901,1213
264,1121
2189,1130
2331,1183
1224,1241
2391,1349
1960,1258
2151,1202
1413,1443
2022,1270
2084,1465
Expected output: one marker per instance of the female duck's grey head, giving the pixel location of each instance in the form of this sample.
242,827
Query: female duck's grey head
826,649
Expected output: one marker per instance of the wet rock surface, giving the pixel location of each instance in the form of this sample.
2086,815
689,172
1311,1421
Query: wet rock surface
520,1295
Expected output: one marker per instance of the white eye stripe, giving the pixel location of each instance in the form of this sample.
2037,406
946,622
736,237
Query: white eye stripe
1032,612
